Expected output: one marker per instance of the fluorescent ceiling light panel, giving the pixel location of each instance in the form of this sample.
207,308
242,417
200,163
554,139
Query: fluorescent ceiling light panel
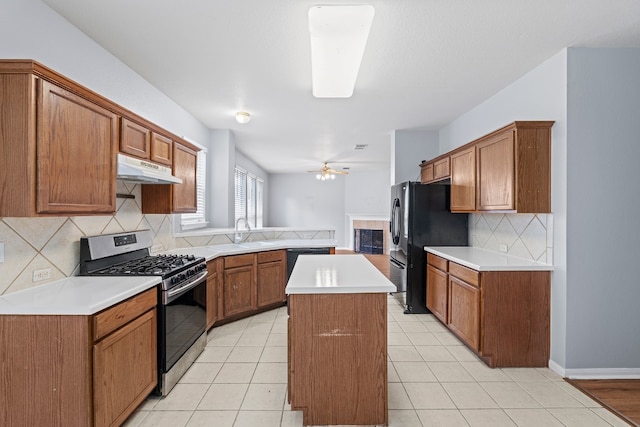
338,38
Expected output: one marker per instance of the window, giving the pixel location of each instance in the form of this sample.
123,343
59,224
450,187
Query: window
248,197
198,219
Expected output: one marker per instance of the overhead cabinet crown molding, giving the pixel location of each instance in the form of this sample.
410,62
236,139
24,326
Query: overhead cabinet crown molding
59,142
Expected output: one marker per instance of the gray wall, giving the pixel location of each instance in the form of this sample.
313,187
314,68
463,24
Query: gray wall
408,149
538,95
300,200
603,200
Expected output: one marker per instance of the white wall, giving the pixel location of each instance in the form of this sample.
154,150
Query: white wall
301,200
368,193
603,199
538,95
29,29
220,179
408,149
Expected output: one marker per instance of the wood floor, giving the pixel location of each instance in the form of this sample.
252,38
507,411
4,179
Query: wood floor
622,397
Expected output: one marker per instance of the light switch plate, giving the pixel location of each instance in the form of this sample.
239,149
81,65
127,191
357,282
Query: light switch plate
1,251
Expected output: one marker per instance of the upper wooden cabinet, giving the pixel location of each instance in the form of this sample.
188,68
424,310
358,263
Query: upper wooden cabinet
58,148
135,139
161,149
59,141
175,198
463,180
514,168
435,170
506,170
139,141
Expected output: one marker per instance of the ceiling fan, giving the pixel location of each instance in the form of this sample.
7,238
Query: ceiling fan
327,173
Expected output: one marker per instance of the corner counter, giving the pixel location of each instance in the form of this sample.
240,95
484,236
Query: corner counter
337,340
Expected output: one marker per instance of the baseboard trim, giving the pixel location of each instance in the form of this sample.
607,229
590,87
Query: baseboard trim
597,373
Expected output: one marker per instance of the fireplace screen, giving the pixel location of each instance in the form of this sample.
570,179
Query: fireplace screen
368,241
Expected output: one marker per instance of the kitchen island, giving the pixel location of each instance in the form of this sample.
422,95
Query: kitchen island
337,345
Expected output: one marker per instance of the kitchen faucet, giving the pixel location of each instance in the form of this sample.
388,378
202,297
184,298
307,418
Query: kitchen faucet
237,238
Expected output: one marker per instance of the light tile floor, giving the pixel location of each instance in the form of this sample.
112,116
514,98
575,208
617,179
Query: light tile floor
240,380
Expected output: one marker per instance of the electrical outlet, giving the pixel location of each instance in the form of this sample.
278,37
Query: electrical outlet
42,274
157,248
503,248
308,235
1,251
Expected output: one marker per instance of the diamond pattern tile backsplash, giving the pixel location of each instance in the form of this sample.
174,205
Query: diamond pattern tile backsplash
528,236
39,243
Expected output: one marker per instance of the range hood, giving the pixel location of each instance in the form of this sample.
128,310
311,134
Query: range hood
144,172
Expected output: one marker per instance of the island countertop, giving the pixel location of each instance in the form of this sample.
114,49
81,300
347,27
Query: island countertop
336,274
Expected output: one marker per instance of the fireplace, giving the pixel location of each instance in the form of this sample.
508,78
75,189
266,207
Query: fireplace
367,241
369,234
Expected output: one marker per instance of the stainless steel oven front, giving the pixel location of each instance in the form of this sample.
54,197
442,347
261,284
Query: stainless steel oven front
182,322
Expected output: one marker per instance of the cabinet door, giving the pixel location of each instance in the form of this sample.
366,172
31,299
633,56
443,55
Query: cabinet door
76,149
238,293
124,370
463,180
496,173
437,293
271,283
426,173
161,149
184,167
441,169
464,311
135,139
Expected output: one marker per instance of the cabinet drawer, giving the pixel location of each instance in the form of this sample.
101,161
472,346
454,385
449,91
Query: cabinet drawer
114,317
466,274
238,260
270,256
437,262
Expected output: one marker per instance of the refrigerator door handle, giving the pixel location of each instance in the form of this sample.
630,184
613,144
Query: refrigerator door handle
395,229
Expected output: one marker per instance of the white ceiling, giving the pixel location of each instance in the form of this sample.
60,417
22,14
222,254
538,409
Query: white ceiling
426,63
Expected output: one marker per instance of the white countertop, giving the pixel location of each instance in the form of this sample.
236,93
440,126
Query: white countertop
336,274
211,252
484,260
78,295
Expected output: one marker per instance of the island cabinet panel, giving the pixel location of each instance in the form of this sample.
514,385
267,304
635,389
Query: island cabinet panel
338,358
76,151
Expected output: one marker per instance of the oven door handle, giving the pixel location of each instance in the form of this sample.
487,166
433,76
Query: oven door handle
172,294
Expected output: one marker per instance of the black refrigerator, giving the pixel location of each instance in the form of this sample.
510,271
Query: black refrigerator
420,216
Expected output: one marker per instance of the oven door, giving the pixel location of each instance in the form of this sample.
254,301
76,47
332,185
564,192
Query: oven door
182,320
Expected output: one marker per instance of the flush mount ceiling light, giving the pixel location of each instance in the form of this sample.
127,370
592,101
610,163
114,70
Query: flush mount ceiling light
243,117
338,37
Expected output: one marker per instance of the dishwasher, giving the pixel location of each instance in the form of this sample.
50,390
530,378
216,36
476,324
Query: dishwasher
292,256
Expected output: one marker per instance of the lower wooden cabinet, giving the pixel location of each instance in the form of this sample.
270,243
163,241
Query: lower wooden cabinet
239,290
124,370
76,370
438,293
503,316
464,311
271,277
212,293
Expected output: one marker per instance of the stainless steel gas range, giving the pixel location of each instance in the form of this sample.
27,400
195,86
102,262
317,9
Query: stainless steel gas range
182,311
